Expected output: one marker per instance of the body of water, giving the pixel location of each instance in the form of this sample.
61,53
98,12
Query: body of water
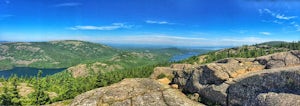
28,72
180,57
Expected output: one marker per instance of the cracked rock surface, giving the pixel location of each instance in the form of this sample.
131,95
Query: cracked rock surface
134,92
277,99
240,81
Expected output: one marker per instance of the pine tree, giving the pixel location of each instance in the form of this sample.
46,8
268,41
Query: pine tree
101,80
39,95
5,97
15,95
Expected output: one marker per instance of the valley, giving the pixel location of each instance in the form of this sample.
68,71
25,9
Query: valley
67,83
108,66
149,53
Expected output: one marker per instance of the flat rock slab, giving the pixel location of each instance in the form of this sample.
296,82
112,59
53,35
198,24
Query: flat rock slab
134,92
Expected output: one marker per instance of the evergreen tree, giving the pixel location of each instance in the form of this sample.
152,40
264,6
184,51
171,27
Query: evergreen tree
15,95
2,79
101,80
40,97
5,97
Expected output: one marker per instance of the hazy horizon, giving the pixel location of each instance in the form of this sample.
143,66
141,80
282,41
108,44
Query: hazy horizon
188,23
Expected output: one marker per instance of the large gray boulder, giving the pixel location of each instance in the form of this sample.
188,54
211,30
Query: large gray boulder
134,92
283,59
245,89
168,71
277,99
239,81
218,72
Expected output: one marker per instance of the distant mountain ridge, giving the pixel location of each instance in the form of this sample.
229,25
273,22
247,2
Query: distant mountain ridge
67,53
53,54
273,43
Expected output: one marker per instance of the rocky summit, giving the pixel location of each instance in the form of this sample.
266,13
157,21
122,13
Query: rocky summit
134,92
271,80
242,81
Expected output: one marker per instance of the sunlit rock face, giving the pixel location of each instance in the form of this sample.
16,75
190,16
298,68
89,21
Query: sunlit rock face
134,92
238,81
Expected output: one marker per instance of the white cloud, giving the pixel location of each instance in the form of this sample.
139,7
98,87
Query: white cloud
244,40
114,26
281,16
157,22
68,4
181,40
265,33
276,15
277,22
157,39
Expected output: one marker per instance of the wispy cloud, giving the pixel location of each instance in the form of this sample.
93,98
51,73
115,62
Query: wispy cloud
182,40
157,22
296,25
245,40
68,4
280,18
277,22
276,15
156,39
153,39
240,31
114,26
265,33
4,16
179,37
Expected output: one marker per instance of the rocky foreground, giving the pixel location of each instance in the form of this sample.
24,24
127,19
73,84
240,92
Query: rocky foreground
134,92
261,81
264,81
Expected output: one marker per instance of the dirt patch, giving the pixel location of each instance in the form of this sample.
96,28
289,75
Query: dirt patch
52,94
24,89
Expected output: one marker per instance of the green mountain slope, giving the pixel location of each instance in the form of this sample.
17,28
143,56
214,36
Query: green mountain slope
55,54
63,54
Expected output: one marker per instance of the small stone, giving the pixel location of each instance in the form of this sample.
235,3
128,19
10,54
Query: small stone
175,86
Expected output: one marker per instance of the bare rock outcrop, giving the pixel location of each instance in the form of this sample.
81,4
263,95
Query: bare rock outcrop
277,99
78,70
134,92
245,89
168,71
239,81
283,59
161,70
83,70
216,73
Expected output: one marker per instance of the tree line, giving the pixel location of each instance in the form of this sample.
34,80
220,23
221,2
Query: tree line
66,86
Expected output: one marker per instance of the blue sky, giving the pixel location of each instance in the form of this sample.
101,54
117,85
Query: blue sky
154,22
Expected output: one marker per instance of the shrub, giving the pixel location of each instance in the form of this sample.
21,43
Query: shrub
161,76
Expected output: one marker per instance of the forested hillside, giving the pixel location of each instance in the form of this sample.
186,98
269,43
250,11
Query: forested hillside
91,65
123,64
63,54
245,51
55,54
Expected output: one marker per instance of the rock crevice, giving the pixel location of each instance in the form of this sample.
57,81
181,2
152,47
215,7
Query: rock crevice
240,81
